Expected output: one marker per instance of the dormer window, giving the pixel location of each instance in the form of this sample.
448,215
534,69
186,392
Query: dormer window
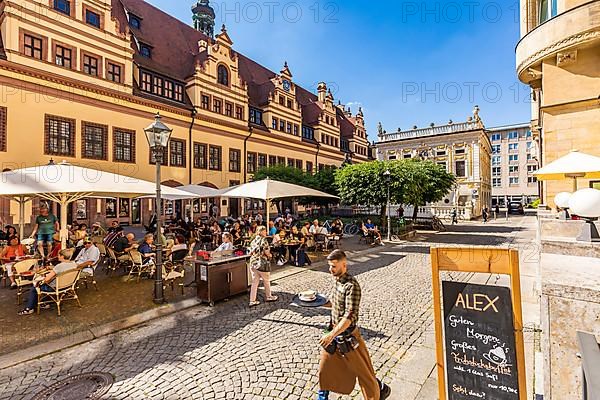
223,75
134,21
145,50
92,18
63,6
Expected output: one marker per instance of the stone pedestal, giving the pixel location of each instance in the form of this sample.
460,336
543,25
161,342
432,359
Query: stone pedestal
570,282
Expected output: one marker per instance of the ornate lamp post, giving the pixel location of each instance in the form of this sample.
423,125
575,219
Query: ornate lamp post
158,135
388,178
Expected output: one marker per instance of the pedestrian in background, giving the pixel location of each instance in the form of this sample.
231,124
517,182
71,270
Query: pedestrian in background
485,215
344,357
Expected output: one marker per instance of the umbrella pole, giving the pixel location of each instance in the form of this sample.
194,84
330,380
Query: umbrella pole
268,207
21,216
574,184
63,221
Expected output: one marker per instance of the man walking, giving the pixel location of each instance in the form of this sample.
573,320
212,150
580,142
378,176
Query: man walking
344,357
46,225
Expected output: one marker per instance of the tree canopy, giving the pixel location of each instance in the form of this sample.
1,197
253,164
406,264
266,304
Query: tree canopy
414,182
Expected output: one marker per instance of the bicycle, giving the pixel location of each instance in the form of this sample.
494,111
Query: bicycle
437,224
459,218
351,229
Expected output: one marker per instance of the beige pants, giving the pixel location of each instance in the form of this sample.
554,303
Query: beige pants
339,373
256,277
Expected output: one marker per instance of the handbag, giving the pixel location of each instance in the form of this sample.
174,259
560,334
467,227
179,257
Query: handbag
263,265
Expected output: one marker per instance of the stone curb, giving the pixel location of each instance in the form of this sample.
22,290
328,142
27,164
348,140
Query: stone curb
52,346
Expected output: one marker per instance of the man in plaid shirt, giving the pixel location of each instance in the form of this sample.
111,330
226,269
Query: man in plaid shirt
338,372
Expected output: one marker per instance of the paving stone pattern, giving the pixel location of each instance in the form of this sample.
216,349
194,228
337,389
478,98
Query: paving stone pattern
268,352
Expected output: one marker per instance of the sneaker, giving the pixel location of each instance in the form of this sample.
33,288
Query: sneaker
45,306
26,311
381,244
385,392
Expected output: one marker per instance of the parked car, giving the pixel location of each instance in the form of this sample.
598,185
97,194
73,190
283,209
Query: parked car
516,208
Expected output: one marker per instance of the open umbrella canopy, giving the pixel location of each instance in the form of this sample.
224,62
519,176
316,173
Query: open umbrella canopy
65,183
573,165
268,189
64,178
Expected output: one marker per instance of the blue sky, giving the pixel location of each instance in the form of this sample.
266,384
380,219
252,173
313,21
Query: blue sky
406,63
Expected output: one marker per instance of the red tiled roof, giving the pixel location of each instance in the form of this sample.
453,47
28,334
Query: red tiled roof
175,52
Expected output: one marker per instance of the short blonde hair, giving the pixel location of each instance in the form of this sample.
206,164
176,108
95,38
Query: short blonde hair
261,229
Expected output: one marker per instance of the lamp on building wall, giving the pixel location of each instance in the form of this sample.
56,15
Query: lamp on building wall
585,203
388,179
158,135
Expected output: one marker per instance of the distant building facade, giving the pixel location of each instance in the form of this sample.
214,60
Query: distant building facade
513,163
462,148
558,56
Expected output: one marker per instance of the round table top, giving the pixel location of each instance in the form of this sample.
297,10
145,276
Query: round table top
319,301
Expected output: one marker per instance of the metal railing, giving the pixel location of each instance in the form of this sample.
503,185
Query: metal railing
589,353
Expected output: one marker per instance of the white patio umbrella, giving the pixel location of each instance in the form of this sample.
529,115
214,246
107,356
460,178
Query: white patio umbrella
572,166
65,183
268,190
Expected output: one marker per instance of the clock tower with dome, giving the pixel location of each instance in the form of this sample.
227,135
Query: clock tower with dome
204,18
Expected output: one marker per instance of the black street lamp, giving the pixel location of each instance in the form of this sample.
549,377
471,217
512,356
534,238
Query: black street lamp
388,179
158,135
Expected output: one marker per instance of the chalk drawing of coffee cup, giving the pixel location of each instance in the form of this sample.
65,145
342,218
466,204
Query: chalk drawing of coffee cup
497,356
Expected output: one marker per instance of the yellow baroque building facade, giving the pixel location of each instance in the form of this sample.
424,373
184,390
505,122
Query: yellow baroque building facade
80,80
558,56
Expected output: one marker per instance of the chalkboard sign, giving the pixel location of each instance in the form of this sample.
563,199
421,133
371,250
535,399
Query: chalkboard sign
481,356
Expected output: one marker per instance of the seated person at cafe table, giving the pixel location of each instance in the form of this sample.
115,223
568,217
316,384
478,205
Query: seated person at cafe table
369,228
227,243
179,245
338,227
279,249
88,257
296,244
308,237
317,229
236,234
124,245
48,284
10,254
272,229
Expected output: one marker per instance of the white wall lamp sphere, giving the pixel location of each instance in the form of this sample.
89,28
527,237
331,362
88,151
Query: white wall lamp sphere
585,203
562,199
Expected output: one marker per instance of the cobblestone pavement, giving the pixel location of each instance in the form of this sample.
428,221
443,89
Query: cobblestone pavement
268,352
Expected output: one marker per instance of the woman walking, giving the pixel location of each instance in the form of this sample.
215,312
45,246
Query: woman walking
260,266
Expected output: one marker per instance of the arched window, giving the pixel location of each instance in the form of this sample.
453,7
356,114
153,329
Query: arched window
223,75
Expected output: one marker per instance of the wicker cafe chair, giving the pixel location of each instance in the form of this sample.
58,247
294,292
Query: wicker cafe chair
320,242
139,266
86,277
23,282
170,277
65,289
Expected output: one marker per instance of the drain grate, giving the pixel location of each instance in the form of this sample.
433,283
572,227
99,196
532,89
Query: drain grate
77,387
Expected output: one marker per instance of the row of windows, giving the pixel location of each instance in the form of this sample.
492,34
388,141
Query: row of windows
329,140
513,135
308,132
286,102
161,86
360,150
60,138
513,169
34,46
91,17
330,120
217,107
210,157
284,126
513,181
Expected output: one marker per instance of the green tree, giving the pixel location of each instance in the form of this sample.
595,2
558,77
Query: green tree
412,182
283,173
425,182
